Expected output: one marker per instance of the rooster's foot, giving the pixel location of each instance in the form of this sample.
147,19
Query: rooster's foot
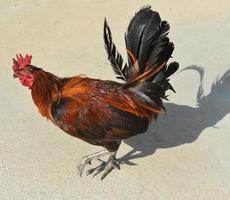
107,167
87,160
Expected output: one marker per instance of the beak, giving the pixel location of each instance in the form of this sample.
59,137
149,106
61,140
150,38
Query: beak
15,76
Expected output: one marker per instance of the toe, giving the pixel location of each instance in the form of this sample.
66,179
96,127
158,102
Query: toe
108,169
80,169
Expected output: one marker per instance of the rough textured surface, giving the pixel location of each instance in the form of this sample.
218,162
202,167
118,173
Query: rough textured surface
184,156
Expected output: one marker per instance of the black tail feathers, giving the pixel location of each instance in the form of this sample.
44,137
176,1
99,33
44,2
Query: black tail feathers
148,49
114,56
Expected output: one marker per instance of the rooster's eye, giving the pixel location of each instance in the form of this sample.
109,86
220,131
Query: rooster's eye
32,68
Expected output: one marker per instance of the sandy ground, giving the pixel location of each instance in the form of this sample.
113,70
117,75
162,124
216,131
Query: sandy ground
183,156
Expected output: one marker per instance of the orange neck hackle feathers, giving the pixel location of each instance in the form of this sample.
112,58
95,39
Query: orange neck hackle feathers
45,90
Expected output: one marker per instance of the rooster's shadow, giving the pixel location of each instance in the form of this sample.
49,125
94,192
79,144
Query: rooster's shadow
183,124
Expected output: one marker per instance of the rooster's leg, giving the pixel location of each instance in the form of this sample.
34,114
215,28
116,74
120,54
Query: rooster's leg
87,159
111,164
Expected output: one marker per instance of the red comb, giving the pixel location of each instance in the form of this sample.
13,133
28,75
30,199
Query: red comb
21,62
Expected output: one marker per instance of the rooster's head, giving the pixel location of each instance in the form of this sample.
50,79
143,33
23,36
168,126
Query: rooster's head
24,70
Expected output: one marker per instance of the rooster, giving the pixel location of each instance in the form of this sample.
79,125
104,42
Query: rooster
103,112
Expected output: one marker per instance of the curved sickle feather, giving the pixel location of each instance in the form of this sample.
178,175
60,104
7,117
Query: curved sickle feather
114,56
